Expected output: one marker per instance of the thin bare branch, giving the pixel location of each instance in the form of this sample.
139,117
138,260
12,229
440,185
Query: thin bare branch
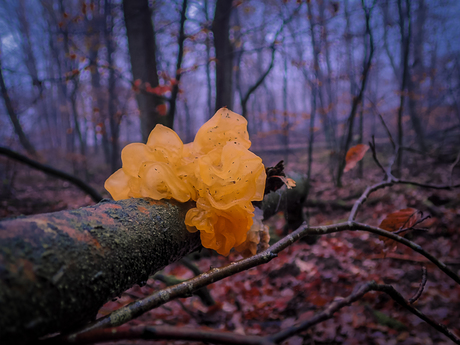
429,186
413,226
452,169
164,333
420,288
365,195
53,172
356,295
374,155
396,296
388,131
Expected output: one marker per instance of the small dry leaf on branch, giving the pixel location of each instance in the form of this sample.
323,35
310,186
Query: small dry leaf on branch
354,155
402,219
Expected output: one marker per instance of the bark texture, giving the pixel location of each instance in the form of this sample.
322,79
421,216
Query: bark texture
58,269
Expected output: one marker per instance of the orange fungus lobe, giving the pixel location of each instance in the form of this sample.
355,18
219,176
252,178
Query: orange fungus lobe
216,170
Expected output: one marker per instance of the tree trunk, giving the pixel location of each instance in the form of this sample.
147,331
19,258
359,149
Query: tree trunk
14,117
100,110
224,54
180,55
31,64
208,63
418,70
142,46
405,46
114,118
319,80
58,269
357,100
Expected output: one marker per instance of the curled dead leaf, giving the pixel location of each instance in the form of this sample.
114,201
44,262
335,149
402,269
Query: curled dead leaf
399,220
354,155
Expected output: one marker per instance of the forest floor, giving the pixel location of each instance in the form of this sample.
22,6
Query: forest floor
305,278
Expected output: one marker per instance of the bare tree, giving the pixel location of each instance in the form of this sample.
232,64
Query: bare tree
142,51
224,54
14,117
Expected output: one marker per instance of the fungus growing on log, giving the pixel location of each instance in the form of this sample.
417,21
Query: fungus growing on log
216,170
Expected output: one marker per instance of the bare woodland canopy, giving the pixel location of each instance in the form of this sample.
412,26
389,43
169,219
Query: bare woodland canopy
72,72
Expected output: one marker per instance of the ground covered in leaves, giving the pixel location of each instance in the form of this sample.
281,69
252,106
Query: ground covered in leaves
306,277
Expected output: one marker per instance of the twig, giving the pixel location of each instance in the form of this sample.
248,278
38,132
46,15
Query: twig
396,296
431,186
374,155
413,226
52,171
365,195
420,288
356,295
327,313
390,181
164,333
452,168
388,131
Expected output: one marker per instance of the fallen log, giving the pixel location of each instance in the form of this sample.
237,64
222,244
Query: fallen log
58,269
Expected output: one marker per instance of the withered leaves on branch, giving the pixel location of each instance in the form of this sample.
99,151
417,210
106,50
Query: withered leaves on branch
400,220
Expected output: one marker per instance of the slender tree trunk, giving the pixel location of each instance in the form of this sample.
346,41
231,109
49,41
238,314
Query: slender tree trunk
357,100
14,117
319,80
208,62
62,112
31,65
180,55
405,46
413,87
224,54
331,106
285,113
114,117
100,109
360,138
142,51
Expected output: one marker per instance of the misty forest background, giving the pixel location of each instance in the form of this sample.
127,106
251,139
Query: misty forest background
315,73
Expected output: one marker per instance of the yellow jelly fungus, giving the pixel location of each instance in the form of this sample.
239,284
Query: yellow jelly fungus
216,170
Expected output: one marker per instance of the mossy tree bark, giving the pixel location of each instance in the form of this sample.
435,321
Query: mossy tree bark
58,269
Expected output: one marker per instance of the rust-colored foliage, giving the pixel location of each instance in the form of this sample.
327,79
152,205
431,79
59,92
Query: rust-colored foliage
158,90
402,219
399,220
162,109
354,155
